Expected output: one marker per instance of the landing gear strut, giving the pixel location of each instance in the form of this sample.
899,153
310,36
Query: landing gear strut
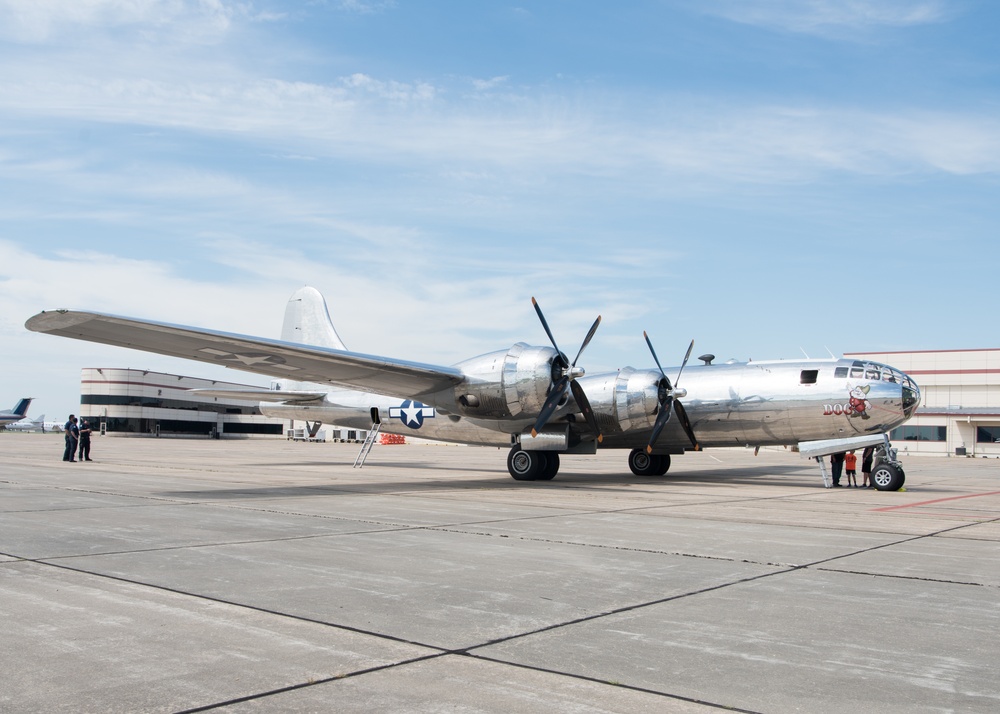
643,464
532,465
887,474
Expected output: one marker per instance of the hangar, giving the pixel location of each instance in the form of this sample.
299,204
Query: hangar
137,401
959,412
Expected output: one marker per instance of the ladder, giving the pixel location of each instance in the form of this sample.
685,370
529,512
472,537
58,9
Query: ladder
367,446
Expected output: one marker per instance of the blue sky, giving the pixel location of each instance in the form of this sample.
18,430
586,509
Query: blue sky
767,178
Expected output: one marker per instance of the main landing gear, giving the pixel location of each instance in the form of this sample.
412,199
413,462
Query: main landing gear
544,465
532,465
643,464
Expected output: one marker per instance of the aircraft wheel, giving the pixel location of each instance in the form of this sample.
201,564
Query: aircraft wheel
525,465
643,464
887,477
551,467
664,464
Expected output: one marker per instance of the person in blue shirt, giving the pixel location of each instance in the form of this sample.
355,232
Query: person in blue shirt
72,432
85,441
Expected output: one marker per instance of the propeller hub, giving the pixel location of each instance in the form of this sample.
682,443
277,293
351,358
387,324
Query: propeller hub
679,392
576,372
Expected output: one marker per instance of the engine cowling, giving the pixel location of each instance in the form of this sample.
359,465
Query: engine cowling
624,401
507,384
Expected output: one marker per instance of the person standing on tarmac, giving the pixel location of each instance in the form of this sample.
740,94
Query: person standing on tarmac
837,466
72,432
866,466
850,462
85,441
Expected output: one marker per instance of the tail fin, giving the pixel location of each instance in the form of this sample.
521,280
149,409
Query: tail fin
307,321
22,407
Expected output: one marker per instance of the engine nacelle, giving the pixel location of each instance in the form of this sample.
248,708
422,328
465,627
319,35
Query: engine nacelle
623,401
637,398
504,384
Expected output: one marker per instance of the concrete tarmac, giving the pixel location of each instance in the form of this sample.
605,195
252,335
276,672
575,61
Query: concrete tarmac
263,575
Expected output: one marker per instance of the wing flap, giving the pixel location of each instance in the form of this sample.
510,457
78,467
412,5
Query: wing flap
263,395
274,358
825,447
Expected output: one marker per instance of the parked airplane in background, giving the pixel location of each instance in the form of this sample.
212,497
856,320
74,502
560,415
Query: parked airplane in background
534,399
20,410
38,424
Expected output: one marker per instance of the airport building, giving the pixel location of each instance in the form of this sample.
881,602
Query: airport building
135,401
959,411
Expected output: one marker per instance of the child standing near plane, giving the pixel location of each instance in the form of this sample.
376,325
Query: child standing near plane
851,465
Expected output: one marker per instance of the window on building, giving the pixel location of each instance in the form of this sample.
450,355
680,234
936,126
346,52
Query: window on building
920,433
988,434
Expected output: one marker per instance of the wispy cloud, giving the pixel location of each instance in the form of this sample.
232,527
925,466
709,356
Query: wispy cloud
828,17
405,123
33,21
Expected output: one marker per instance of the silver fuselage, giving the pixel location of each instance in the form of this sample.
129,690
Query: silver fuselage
733,404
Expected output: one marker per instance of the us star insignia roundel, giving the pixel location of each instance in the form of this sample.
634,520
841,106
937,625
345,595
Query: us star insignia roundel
412,413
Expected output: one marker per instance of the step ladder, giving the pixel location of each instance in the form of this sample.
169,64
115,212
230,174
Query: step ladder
367,446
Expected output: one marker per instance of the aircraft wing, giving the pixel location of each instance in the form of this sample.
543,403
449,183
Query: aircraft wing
263,395
274,358
825,447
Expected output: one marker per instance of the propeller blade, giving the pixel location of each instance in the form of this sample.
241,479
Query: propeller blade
684,363
551,402
661,421
686,424
649,344
587,339
588,413
557,389
545,325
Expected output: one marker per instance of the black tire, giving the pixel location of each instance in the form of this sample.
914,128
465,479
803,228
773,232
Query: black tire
551,467
887,477
525,465
643,464
664,465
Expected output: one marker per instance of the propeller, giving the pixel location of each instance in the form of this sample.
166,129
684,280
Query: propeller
668,395
564,375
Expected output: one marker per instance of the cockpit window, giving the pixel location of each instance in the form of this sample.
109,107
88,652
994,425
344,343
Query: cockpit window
857,372
872,372
840,372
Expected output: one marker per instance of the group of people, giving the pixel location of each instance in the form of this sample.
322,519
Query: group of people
838,462
77,437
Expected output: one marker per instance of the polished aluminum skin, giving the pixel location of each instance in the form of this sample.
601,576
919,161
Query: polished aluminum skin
532,398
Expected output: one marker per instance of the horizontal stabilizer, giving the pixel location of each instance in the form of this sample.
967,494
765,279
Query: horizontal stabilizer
825,447
262,395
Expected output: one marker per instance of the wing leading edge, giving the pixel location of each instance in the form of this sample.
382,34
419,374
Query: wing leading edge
274,358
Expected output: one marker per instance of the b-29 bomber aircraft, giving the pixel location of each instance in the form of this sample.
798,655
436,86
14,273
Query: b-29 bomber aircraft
533,398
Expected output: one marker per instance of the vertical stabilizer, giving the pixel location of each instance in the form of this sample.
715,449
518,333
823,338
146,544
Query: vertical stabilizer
307,321
22,407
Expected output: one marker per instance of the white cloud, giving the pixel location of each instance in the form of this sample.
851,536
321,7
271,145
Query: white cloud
33,21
